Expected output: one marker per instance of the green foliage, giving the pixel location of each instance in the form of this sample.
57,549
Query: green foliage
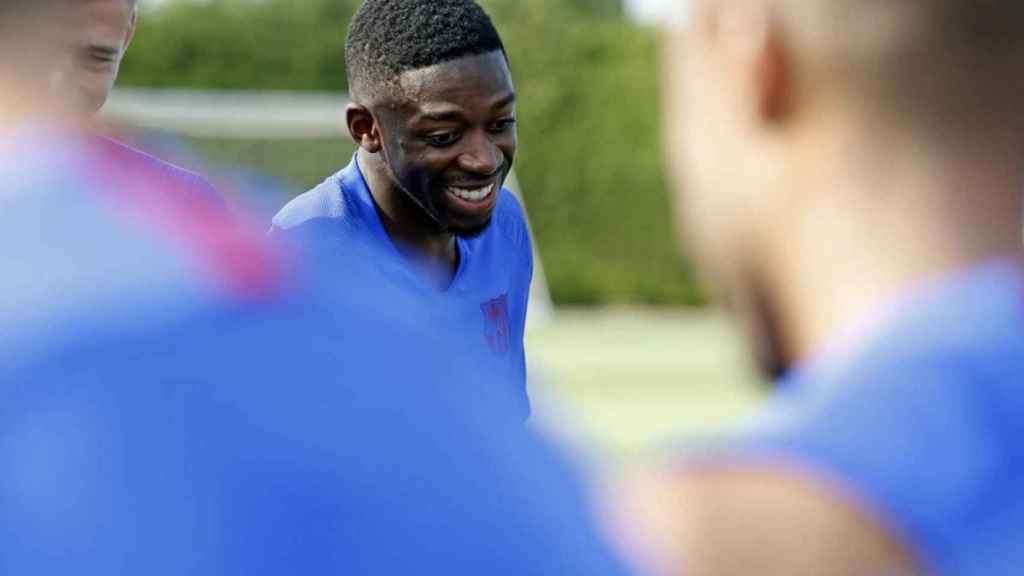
267,44
590,159
588,85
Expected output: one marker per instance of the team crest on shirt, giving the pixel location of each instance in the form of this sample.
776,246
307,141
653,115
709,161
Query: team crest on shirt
496,326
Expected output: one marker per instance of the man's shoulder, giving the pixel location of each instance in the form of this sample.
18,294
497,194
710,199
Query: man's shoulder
923,424
127,253
145,166
324,202
929,443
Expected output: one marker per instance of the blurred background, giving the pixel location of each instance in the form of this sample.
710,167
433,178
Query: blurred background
623,345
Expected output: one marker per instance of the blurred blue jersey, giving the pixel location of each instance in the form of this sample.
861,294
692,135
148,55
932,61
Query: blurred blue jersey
489,293
157,171
923,423
180,396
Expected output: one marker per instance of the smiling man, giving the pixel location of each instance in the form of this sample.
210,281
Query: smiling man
433,114
165,407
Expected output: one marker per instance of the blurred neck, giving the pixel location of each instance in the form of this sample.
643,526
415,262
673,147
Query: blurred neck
883,215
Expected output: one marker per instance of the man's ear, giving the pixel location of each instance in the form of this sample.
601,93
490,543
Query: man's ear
131,30
772,69
754,37
362,127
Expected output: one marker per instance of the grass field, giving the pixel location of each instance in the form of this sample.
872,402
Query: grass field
635,379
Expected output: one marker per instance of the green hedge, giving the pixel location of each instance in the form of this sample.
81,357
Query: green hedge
589,158
271,44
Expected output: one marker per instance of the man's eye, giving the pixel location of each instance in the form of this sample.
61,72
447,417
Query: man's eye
503,125
103,56
442,140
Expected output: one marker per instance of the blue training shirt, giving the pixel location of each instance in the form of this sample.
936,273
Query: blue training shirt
157,171
489,294
181,396
922,423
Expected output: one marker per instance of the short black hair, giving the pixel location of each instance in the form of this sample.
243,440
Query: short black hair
389,37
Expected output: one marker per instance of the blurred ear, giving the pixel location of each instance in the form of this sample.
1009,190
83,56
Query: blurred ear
362,128
773,77
131,29
755,39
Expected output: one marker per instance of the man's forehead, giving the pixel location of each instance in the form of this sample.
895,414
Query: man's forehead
100,22
485,75
109,11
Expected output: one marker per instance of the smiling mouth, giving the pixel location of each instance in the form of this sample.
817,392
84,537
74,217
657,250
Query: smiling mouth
471,194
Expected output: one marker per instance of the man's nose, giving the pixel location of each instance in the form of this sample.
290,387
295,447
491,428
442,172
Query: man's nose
482,156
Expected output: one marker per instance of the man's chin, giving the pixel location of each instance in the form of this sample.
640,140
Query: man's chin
469,230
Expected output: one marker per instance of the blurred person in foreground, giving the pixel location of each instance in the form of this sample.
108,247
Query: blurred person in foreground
95,47
434,116
851,180
167,409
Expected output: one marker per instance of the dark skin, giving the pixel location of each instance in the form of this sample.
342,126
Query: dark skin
436,153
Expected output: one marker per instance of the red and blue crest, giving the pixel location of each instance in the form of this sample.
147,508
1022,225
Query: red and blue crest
496,326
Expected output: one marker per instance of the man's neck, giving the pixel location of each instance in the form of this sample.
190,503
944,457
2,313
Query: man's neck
872,237
434,253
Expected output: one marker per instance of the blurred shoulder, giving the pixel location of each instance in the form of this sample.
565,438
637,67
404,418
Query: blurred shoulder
142,165
946,400
90,249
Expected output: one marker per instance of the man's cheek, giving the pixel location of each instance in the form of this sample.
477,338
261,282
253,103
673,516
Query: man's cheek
91,98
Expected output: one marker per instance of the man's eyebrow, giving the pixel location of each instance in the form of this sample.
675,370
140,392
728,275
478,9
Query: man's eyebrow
506,101
449,115
441,116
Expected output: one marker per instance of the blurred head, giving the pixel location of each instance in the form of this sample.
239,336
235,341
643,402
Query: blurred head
433,97
33,41
101,34
767,97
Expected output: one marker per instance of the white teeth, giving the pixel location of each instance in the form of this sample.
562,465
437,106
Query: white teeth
472,195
